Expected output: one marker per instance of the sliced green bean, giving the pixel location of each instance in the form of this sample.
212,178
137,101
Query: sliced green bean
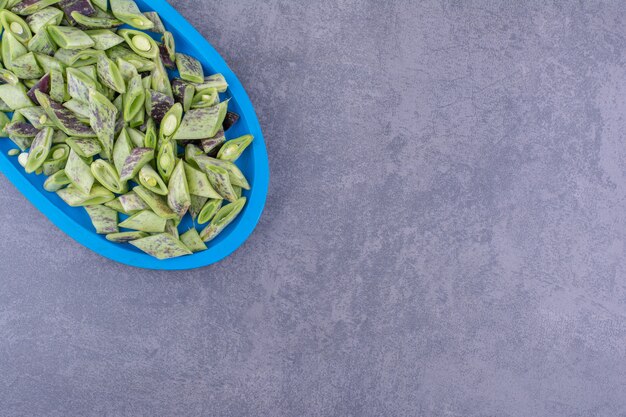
128,12
15,25
56,181
191,239
222,219
212,145
134,99
205,98
79,84
136,137
103,218
110,74
209,210
216,81
76,198
77,57
232,150
101,4
39,150
79,108
150,138
96,22
157,23
162,246
184,93
166,159
157,203
125,53
199,183
28,7
189,68
103,119
42,43
26,67
220,181
85,147
126,237
79,173
104,39
145,221
171,121
150,179
57,159
132,203
141,44
121,150
107,175
202,123
4,121
197,202
235,174
116,205
50,16
136,160
68,37
178,197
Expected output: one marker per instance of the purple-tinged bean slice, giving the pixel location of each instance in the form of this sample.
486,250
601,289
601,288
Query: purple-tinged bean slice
165,57
85,147
158,104
144,221
162,246
157,203
28,7
19,128
171,122
121,151
171,227
197,202
49,16
132,203
26,67
110,75
212,145
199,183
103,119
189,68
220,181
83,7
79,84
42,85
79,173
116,205
39,150
235,174
157,23
135,161
191,239
230,119
103,218
184,93
202,123
178,197
126,237
225,216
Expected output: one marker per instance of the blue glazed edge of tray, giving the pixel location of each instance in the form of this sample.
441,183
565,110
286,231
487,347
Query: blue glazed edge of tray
72,220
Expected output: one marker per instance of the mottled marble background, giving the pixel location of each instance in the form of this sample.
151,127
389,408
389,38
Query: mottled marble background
444,235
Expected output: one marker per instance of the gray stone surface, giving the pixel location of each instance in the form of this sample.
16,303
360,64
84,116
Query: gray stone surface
444,235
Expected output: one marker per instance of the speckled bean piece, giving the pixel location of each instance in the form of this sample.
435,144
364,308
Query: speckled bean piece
191,239
178,197
56,181
63,118
162,246
138,158
126,237
103,218
199,183
102,120
157,203
145,221
132,203
225,216
202,123
85,147
79,173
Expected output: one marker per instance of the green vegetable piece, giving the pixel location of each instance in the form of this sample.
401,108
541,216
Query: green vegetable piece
178,197
132,203
197,203
126,237
80,109
79,84
56,181
205,98
222,219
184,93
121,150
171,121
26,67
85,147
128,12
166,160
232,150
77,57
157,203
171,227
238,190
145,221
16,26
235,174
68,37
189,68
110,75
150,179
215,81
150,138
157,23
136,137
209,210
116,205
134,98
135,161
49,63
103,119
4,121
59,137
212,144
57,85
162,246
14,152
199,183
202,123
141,44
76,198
79,173
125,53
220,180
42,43
101,4
192,241
160,80
138,120
12,49
90,71
28,7
49,16
170,45
104,39
103,218
63,118
7,77
107,175
57,159
127,69
39,150
95,22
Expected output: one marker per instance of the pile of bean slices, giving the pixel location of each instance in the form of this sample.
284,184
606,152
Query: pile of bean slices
96,110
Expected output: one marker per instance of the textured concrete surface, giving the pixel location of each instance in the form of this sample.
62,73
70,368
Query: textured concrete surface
444,236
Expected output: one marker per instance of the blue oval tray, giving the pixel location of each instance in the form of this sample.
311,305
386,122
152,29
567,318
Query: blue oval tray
254,164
